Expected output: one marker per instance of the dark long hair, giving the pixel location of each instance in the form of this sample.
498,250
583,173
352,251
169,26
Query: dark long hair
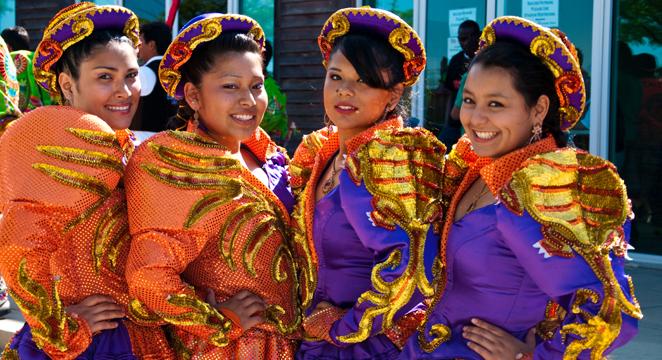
376,62
202,61
531,79
77,53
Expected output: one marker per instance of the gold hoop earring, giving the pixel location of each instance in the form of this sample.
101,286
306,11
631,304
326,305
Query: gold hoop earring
328,123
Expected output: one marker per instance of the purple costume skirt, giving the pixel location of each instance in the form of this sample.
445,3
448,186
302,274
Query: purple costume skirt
109,344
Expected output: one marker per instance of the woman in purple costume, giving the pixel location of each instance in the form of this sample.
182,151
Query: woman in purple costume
535,233
367,194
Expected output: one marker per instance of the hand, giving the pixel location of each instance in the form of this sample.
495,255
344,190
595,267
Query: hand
97,311
492,343
321,306
246,305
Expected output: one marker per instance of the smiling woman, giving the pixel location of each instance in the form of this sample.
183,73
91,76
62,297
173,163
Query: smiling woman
64,231
209,206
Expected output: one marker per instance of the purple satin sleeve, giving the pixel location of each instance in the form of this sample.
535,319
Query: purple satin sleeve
276,169
356,203
560,278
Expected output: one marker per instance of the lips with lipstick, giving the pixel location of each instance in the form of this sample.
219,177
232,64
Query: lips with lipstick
346,109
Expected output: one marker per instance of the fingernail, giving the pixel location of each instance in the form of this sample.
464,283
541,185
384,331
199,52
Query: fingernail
474,321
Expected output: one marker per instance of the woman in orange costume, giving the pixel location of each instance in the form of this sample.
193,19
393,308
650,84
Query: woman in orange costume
208,206
64,233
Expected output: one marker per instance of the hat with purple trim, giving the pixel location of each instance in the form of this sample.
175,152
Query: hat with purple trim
201,29
554,49
73,24
383,23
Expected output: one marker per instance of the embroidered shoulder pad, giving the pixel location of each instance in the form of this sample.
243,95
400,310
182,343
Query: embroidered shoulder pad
176,178
402,169
59,155
578,198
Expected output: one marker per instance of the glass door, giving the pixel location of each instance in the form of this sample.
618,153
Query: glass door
635,144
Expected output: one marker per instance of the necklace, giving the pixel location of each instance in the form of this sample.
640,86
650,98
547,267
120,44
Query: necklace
482,192
330,183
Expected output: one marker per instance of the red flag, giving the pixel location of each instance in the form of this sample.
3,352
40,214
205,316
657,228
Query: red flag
173,11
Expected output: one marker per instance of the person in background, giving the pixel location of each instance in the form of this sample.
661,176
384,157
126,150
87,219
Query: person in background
156,108
275,119
8,113
16,38
467,35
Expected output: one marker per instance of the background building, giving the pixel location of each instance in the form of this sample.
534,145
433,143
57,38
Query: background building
621,43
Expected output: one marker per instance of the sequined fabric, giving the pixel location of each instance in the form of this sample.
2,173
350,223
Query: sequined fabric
200,221
64,232
562,200
368,247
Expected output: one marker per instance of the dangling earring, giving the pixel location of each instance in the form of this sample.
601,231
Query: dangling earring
328,123
536,133
385,114
194,123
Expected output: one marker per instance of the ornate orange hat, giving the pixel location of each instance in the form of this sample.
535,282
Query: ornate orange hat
555,51
380,22
73,24
200,29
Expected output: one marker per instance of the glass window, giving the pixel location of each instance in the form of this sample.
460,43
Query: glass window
403,8
263,12
7,14
635,144
147,10
441,44
575,18
188,9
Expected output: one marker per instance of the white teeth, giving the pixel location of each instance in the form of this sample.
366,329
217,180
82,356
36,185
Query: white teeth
342,107
118,108
485,135
243,117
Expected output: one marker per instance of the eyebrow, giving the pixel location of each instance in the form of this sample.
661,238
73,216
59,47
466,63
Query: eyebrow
106,67
489,95
335,69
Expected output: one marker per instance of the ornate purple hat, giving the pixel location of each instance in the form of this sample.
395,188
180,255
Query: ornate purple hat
73,24
200,29
555,51
380,22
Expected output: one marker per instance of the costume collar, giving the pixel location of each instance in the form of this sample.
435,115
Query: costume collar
259,144
499,171
363,137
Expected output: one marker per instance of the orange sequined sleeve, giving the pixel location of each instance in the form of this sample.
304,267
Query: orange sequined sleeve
30,233
155,262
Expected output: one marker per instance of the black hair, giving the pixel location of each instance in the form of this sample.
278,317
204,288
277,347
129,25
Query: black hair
268,52
471,25
531,78
159,32
203,59
376,62
74,55
17,38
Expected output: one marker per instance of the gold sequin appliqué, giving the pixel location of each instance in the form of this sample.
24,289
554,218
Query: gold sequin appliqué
192,171
587,222
402,171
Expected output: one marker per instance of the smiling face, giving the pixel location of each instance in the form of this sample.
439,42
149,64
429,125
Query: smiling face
494,114
230,99
107,85
349,102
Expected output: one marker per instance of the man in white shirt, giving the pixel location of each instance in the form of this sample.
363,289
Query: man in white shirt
156,108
